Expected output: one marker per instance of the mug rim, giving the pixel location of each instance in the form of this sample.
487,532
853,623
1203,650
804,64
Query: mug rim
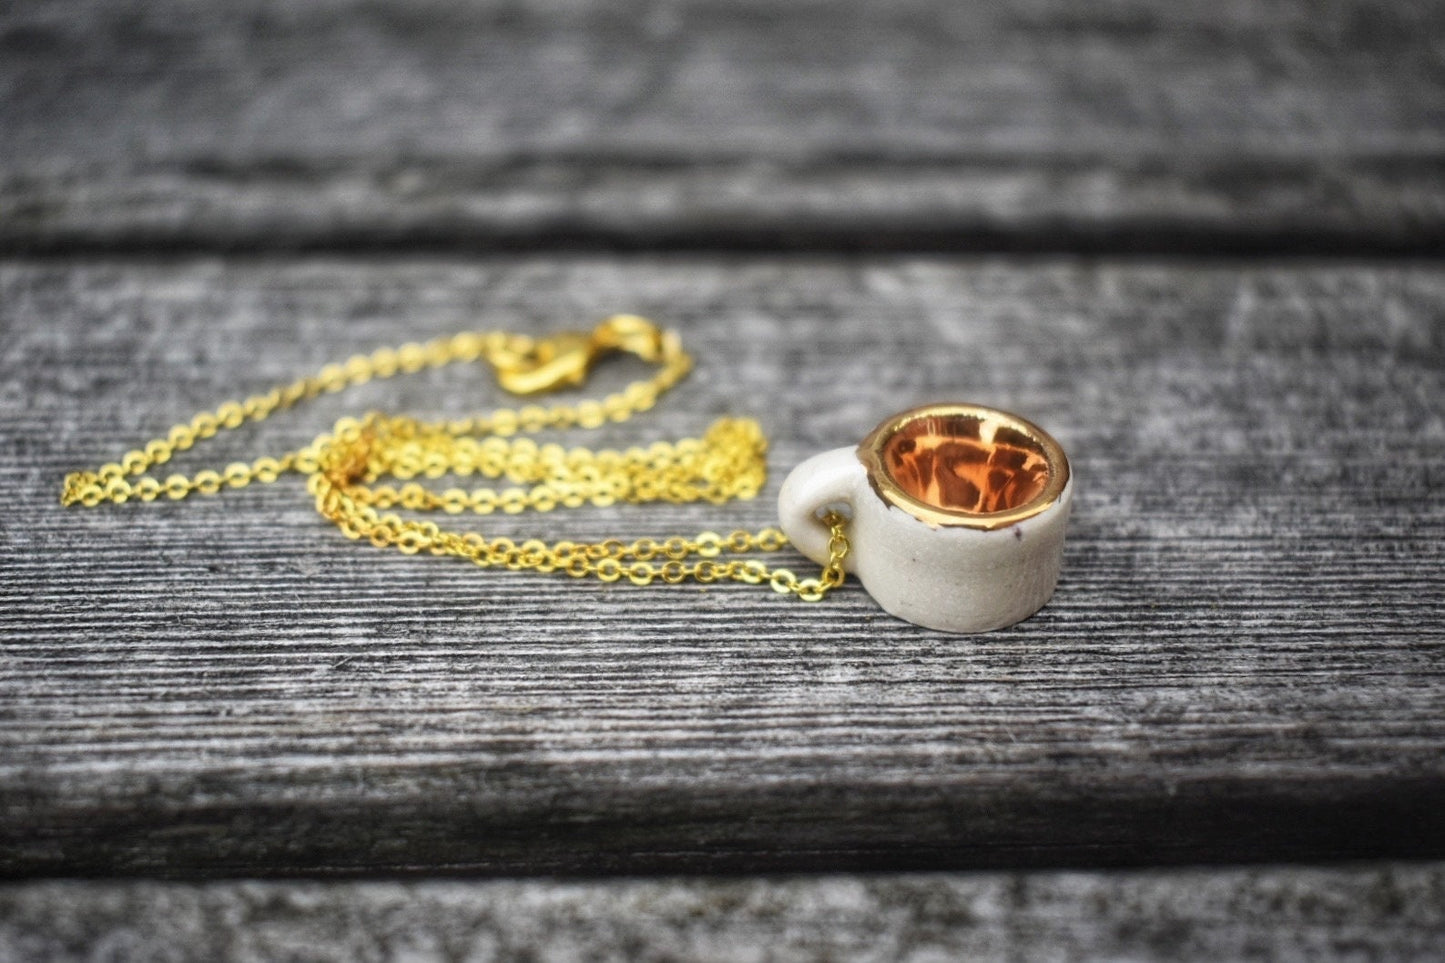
870,453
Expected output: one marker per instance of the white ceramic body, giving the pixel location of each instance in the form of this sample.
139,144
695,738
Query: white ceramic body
952,578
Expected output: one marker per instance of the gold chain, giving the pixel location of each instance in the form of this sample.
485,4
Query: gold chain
342,467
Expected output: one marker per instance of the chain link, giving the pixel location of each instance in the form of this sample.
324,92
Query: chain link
343,468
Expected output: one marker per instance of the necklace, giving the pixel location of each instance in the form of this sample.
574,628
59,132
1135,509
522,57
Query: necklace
951,515
345,468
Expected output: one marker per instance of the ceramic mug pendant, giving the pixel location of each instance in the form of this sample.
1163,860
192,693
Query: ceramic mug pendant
958,514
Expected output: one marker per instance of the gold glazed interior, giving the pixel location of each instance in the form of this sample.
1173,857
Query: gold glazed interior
965,465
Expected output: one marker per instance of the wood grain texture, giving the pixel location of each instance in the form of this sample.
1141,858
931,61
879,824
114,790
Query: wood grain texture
1243,661
1283,914
1027,125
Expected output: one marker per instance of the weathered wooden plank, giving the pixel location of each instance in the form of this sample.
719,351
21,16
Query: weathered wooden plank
1021,125
1389,912
1243,661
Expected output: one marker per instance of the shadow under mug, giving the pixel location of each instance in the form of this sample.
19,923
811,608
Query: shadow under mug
957,514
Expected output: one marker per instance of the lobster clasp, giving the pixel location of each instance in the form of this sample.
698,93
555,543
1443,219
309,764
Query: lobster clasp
555,362
563,360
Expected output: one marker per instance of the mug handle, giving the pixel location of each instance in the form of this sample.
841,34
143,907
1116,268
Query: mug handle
829,479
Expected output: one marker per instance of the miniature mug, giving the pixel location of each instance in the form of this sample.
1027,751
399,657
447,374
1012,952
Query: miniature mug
957,514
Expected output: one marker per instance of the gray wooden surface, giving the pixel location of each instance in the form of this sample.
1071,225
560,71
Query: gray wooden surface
1365,913
1200,243
1143,125
1243,660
